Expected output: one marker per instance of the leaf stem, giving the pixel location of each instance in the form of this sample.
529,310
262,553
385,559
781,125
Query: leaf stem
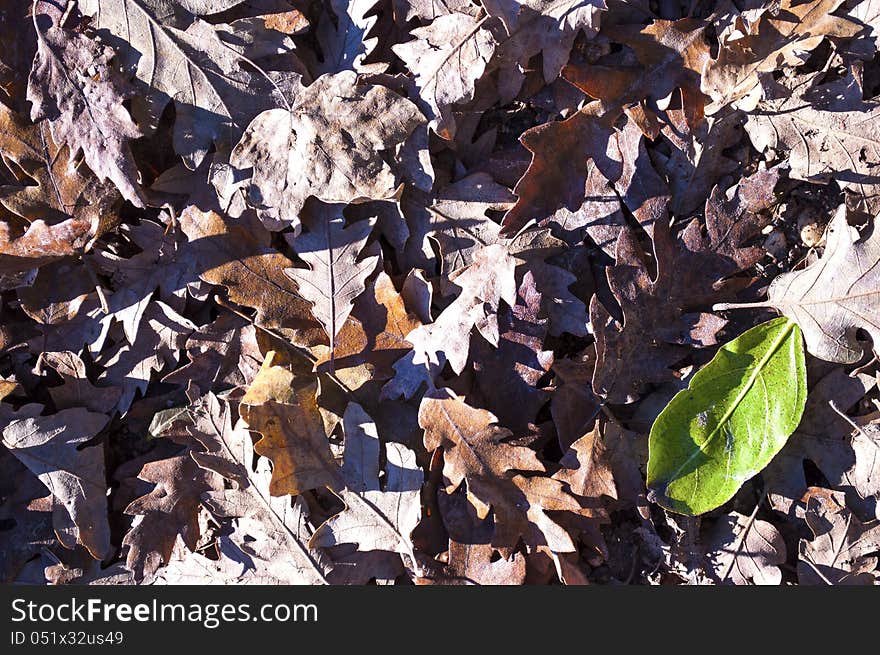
724,306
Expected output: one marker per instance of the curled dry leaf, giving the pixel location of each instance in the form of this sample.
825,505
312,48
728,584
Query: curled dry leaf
765,41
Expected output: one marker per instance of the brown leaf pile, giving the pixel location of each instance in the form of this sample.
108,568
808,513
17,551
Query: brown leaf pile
391,291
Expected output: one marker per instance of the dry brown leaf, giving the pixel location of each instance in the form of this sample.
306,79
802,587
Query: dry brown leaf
50,447
237,255
835,296
73,85
327,145
293,438
447,57
823,142
335,278
377,516
778,36
840,551
742,550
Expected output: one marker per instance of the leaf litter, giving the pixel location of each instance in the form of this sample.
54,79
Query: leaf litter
395,291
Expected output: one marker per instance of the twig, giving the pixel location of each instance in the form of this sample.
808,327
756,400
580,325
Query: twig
723,306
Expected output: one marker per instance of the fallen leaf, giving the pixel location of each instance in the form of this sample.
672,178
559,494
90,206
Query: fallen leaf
376,516
50,446
742,550
73,86
326,145
335,277
834,296
840,551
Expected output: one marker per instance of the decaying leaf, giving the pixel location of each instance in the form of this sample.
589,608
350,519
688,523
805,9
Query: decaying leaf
824,141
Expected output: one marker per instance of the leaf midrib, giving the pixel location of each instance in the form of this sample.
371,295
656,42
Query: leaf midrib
756,373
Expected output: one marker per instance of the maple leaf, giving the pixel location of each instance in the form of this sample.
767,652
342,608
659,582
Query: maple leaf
50,447
335,277
326,145
73,85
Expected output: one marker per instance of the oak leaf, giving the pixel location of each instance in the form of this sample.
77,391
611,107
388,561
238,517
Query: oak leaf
823,141
214,95
447,58
780,35
73,85
836,295
377,516
742,550
327,144
335,277
237,255
840,551
50,446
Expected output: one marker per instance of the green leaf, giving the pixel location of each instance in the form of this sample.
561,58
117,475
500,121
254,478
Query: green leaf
736,414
